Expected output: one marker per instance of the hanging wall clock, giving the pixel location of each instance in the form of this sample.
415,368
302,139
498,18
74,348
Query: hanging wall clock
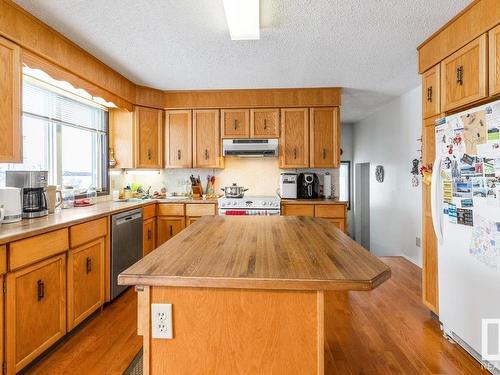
379,173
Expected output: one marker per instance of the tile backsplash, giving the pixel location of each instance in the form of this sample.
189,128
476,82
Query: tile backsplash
260,176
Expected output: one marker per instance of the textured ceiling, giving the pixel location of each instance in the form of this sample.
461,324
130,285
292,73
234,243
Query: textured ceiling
366,46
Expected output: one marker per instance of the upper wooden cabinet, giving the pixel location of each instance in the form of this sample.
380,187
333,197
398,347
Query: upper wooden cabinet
325,137
294,139
206,138
463,75
430,92
10,102
494,64
265,123
235,123
35,310
178,139
148,137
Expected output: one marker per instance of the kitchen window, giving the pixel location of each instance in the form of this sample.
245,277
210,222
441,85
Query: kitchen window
345,182
65,134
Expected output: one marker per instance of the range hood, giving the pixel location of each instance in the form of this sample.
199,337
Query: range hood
250,147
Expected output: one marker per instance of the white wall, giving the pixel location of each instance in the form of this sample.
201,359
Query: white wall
389,137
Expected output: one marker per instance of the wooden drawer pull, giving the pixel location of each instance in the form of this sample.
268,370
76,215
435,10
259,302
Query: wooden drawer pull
40,290
235,124
171,231
89,264
460,75
429,94
149,234
178,154
265,124
206,154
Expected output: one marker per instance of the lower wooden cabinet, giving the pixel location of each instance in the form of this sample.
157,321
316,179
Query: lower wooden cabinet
85,281
168,227
191,220
339,223
334,213
35,310
149,236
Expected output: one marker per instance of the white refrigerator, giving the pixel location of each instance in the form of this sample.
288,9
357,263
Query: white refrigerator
465,199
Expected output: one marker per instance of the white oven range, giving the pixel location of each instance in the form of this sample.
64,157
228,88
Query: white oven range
250,205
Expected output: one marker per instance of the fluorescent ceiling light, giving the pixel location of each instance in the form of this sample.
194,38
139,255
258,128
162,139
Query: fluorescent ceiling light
243,19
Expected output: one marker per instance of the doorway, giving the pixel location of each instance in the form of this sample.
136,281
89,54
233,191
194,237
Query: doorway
362,204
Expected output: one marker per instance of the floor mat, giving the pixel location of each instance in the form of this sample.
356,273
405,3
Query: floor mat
135,367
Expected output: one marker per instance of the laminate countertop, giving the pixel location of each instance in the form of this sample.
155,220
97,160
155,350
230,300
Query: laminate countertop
260,252
64,218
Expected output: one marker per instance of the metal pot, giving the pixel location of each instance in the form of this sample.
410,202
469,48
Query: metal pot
234,191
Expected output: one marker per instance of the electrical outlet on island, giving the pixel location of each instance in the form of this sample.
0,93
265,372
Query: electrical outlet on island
161,321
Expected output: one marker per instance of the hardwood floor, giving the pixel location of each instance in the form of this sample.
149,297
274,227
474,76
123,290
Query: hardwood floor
384,331
104,345
389,331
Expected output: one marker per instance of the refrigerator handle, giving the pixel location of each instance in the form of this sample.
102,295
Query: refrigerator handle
436,200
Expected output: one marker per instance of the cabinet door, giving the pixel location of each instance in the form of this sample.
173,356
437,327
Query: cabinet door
463,75
148,137
178,139
325,137
294,141
206,148
35,310
429,242
264,123
494,64
85,281
10,102
430,92
235,123
339,223
149,236
168,227
191,220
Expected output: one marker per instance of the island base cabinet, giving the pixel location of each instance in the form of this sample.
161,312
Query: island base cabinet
85,281
35,310
235,331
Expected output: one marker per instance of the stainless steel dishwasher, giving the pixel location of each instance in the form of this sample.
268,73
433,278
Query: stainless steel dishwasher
126,245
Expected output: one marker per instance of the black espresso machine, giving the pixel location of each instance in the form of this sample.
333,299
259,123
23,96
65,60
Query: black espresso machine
308,186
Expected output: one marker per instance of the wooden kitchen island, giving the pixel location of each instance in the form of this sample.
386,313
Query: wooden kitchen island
249,294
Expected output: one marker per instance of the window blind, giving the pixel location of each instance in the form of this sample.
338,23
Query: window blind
51,105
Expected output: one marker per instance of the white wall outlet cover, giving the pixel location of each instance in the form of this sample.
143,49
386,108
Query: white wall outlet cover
161,321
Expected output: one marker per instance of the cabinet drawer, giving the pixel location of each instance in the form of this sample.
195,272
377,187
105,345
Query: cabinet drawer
149,211
298,210
82,233
200,209
330,210
171,209
35,310
33,249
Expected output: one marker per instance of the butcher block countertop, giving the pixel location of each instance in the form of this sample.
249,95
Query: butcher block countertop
260,252
63,218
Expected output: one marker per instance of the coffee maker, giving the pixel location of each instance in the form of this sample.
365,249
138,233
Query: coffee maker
33,194
308,186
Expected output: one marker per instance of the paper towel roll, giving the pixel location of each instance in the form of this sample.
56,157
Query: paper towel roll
327,185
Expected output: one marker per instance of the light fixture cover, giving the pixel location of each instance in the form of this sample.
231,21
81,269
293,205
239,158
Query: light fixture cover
243,19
